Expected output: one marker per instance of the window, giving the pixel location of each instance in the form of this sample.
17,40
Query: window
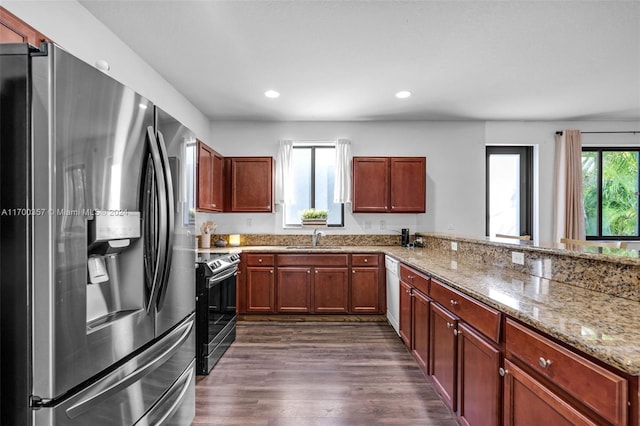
610,191
314,176
509,190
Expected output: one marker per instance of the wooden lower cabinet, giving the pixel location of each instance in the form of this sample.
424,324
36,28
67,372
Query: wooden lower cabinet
443,354
330,290
420,329
294,290
527,402
365,290
313,289
405,313
588,387
260,289
478,378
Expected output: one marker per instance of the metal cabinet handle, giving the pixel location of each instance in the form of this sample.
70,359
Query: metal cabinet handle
449,325
353,272
316,272
260,260
457,332
453,302
271,271
503,372
544,363
366,260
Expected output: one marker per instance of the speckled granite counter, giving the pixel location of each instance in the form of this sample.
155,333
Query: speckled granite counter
599,324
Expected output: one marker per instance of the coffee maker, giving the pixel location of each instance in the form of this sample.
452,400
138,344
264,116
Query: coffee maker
405,237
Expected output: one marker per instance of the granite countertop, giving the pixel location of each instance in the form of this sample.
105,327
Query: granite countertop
598,324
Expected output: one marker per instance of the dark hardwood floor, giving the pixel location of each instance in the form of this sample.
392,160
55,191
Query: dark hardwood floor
317,373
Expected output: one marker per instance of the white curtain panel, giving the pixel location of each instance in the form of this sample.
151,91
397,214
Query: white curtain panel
342,184
569,210
284,173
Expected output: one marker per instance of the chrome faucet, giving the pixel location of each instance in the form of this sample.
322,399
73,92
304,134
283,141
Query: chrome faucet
314,237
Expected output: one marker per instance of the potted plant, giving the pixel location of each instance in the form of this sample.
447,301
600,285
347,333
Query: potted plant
313,217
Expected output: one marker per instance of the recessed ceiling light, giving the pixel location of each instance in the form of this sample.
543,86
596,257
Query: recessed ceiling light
271,94
403,94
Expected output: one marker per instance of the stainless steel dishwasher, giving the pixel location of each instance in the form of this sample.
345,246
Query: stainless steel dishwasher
393,292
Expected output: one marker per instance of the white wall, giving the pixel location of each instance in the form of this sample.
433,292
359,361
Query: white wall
455,166
455,170
72,27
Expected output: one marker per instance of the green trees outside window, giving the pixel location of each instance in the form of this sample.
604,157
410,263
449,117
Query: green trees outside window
610,190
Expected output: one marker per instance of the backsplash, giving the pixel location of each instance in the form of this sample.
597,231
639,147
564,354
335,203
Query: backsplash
609,274
305,239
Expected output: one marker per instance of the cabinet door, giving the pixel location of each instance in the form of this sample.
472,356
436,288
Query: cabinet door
478,379
251,184
330,290
408,177
370,184
443,350
14,30
260,287
405,314
420,329
294,290
217,182
528,402
209,179
365,290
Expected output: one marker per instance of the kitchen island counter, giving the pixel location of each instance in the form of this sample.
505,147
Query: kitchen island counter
598,324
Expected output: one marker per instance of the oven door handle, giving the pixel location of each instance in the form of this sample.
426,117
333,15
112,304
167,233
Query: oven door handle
219,278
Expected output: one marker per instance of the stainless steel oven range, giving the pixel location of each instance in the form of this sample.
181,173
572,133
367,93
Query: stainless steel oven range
215,307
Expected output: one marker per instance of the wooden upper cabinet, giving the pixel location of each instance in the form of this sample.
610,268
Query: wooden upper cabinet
210,179
370,184
250,184
14,30
408,184
389,184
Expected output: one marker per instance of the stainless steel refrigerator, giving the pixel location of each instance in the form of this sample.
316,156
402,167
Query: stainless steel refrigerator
97,252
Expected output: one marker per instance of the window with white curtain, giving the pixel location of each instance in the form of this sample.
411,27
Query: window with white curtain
313,178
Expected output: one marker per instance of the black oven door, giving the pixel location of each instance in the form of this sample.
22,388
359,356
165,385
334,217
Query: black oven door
216,312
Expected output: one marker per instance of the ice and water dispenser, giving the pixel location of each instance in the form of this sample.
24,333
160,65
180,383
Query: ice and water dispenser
113,251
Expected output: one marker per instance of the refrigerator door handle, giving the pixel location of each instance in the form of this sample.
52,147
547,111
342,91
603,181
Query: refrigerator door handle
169,205
159,229
170,401
110,384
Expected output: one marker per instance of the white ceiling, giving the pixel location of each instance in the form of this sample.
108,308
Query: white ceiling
344,60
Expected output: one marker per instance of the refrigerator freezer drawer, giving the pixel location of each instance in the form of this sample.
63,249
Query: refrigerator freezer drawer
157,386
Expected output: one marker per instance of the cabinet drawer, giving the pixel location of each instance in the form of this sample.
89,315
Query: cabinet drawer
415,278
313,260
598,388
364,259
260,259
481,317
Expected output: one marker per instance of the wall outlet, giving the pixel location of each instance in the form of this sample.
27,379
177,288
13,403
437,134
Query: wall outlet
454,246
517,257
